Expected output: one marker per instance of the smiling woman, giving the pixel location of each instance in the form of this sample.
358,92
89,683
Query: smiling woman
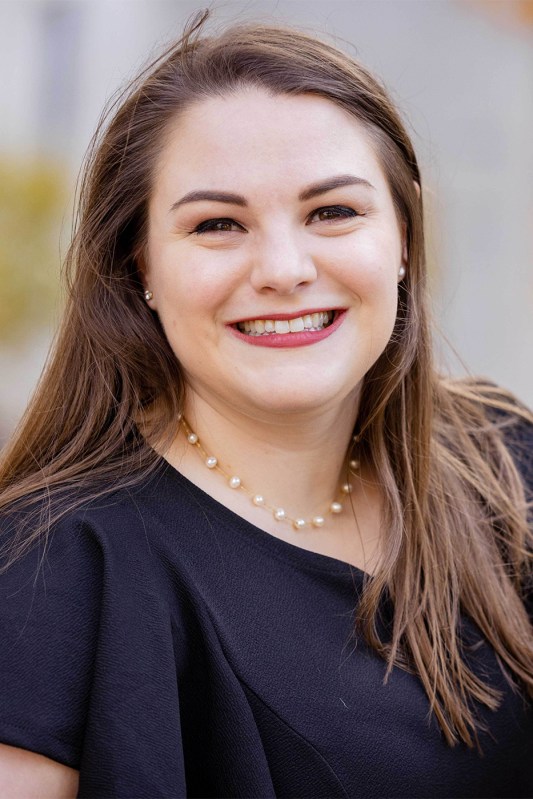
244,515
272,241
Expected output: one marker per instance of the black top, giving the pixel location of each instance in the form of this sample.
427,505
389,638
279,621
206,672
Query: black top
168,648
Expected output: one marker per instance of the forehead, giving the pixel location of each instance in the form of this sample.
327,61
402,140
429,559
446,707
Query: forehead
251,138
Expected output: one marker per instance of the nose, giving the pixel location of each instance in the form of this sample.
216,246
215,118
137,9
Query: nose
281,264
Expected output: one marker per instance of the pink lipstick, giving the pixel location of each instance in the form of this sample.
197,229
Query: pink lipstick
301,338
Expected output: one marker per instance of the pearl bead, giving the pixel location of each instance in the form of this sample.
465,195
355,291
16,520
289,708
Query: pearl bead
279,513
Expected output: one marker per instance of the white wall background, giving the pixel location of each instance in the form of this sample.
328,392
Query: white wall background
462,73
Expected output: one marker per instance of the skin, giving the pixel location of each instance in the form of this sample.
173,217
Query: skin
279,418
27,775
274,259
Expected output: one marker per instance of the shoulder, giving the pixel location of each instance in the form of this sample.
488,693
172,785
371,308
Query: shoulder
59,556
75,522
81,611
514,424
137,534
492,417
517,433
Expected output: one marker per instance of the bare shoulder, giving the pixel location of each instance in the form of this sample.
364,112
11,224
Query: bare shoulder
27,775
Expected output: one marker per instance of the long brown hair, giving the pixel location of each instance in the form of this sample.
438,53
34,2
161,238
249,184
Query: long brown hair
455,527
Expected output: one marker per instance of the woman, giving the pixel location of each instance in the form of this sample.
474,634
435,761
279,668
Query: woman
256,546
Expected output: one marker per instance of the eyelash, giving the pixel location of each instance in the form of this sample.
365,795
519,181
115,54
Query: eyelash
342,212
209,225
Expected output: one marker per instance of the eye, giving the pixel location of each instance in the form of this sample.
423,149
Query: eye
332,213
217,226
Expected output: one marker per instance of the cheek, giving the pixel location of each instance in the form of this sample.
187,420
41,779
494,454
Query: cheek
369,269
186,288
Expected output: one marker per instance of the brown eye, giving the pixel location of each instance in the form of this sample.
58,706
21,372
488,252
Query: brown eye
332,213
217,226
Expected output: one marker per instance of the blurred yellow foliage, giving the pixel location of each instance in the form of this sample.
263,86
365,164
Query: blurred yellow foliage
33,199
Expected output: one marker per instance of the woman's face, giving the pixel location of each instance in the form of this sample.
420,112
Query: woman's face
273,252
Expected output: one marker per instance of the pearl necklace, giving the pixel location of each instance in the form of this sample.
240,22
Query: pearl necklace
279,514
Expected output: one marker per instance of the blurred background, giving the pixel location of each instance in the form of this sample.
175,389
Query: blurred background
460,70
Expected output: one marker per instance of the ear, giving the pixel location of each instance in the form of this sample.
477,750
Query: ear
142,270
405,255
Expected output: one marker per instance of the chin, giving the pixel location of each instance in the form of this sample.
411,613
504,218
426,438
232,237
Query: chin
299,398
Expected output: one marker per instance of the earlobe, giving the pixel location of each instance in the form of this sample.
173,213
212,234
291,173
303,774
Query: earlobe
402,271
142,272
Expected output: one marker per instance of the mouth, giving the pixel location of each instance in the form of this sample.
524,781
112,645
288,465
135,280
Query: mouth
308,322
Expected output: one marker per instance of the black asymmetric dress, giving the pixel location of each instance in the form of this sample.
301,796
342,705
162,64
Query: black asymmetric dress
167,648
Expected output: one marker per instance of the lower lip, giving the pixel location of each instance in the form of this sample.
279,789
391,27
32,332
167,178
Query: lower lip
303,339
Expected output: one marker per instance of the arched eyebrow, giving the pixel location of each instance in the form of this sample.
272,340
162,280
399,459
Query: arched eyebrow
314,190
214,196
332,183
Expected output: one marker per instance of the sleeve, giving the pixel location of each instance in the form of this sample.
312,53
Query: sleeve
88,659
49,617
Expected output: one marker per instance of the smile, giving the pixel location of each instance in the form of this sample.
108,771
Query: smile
290,331
268,327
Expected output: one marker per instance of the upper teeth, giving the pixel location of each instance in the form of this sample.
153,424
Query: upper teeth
259,327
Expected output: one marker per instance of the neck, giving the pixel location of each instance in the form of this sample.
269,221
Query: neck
294,462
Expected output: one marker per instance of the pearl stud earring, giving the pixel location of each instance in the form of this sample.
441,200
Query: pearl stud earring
402,272
148,295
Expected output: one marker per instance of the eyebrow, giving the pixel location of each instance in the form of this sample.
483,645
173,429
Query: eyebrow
311,191
333,183
214,196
